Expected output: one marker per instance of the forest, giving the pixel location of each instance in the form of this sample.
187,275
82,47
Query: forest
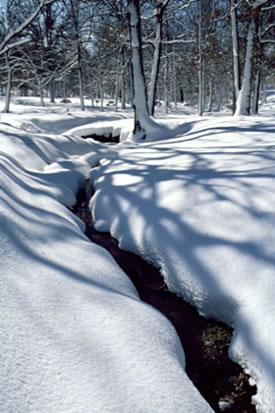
199,52
137,206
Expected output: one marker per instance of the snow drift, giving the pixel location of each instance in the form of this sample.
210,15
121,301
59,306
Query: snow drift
201,207
74,335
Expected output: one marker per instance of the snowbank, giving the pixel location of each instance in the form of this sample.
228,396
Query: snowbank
75,337
107,128
201,207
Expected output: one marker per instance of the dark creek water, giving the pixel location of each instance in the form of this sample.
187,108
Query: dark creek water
103,139
220,381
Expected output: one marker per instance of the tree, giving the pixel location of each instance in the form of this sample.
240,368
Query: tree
235,49
12,36
159,9
251,78
144,125
6,43
45,57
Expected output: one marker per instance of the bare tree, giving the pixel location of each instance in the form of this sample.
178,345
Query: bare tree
143,123
235,48
254,38
14,38
9,41
159,9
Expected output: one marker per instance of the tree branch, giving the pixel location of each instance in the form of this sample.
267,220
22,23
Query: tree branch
22,26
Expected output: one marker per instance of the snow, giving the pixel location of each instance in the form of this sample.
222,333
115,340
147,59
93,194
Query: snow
123,129
75,336
104,128
224,405
201,207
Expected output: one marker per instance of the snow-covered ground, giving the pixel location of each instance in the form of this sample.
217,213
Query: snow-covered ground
202,208
74,335
199,205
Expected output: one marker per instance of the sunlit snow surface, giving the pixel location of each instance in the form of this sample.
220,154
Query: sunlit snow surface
199,205
202,207
74,336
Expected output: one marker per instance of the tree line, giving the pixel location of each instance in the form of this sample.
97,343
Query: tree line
205,53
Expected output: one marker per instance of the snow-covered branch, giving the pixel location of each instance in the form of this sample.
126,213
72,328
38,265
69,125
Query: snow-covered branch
174,41
267,41
13,45
269,27
258,3
268,8
22,26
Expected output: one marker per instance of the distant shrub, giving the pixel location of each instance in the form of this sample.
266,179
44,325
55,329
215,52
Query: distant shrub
65,100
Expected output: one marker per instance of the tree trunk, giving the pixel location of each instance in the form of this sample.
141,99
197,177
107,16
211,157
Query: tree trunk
257,64
91,90
235,46
243,100
81,91
256,92
181,95
201,97
218,96
203,85
142,121
8,89
210,101
101,95
123,98
41,95
263,92
200,73
117,88
166,84
130,85
159,11
234,98
174,78
64,89
52,92
80,78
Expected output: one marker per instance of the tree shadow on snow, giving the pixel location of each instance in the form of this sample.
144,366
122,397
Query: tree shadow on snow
162,231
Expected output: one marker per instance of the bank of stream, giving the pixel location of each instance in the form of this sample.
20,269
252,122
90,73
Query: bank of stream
221,382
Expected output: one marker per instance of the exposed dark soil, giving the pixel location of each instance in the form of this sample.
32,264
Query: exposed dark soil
205,342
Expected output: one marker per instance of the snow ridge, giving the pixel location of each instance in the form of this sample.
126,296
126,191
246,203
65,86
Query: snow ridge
74,335
201,207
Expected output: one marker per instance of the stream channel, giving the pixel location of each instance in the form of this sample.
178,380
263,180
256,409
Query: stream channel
221,382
